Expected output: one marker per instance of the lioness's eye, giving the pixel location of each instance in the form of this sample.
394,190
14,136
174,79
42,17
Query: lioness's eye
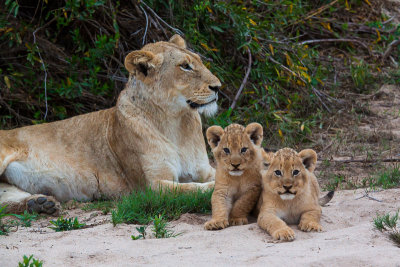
296,172
186,67
227,151
278,173
243,150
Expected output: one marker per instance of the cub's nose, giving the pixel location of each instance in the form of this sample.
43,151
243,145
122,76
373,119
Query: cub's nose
235,165
214,88
287,187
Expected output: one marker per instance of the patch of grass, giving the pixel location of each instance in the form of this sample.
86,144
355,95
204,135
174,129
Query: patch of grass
142,233
339,182
26,262
62,224
26,218
161,228
389,223
103,205
389,178
143,206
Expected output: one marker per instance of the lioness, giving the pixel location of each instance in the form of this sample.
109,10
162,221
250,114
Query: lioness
290,193
238,180
153,136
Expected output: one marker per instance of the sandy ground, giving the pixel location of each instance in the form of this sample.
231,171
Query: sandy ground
348,239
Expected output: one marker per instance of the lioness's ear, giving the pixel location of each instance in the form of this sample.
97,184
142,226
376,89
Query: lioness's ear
178,40
309,159
214,134
142,61
255,132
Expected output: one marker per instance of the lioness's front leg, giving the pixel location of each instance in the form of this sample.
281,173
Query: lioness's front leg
221,206
243,205
310,221
277,228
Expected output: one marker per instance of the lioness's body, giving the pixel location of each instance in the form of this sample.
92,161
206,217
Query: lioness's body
290,194
151,137
238,180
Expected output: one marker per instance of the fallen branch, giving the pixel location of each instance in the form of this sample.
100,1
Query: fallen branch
390,48
243,82
337,40
365,160
366,194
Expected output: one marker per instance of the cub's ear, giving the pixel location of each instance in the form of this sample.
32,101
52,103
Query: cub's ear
214,134
142,62
255,132
178,40
267,157
309,159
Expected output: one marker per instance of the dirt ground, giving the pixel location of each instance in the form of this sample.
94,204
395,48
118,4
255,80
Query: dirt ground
348,239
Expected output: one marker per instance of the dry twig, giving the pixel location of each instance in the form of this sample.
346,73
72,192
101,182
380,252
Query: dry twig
246,76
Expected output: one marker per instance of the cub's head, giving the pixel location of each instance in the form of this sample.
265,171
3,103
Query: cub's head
172,73
288,171
236,148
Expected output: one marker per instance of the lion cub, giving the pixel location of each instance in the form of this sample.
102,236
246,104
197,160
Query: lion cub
290,193
238,179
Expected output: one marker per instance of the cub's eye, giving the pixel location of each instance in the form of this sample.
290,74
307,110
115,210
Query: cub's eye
186,67
243,150
226,150
278,173
296,172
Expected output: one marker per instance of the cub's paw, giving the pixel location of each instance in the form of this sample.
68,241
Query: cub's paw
310,226
283,234
238,221
43,204
216,224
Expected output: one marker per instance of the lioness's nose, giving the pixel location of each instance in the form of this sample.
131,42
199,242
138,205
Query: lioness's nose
235,165
287,187
214,88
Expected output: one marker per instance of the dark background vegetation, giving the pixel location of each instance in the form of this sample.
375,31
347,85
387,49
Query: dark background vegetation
308,58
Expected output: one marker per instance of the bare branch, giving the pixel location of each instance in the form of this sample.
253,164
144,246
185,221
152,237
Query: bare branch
246,76
389,50
366,160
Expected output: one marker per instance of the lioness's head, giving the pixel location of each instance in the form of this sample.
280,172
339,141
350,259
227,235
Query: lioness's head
236,148
287,172
170,71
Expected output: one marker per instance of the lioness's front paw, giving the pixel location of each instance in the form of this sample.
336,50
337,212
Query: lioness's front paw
238,221
310,226
43,204
284,234
216,224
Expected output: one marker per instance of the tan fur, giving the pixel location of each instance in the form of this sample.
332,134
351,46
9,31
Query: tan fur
304,208
153,135
238,178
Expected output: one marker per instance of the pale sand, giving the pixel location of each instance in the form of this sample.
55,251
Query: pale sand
348,239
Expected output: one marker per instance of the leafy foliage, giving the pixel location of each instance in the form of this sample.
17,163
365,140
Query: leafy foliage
62,224
3,227
27,262
77,48
143,206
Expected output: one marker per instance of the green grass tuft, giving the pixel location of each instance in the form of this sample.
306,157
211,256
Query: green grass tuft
26,262
389,223
62,224
26,218
142,206
103,205
389,178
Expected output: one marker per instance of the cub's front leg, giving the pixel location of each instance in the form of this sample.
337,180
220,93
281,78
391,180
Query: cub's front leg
221,206
243,206
309,221
277,228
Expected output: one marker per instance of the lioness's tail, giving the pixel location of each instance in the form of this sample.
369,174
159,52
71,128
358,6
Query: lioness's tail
325,199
